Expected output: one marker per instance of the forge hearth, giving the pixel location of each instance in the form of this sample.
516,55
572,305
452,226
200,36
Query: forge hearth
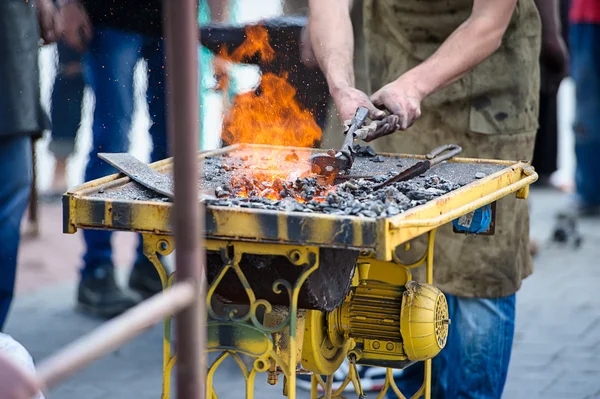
279,180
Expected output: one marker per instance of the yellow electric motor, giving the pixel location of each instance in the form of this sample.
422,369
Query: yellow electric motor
380,324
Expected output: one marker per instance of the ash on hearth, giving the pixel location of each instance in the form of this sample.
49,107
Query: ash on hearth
351,198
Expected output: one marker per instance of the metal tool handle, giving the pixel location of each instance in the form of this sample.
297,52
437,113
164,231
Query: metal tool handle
357,121
450,150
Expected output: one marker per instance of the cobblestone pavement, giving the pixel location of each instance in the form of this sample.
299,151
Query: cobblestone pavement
555,356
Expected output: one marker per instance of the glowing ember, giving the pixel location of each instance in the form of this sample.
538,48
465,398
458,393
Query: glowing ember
270,115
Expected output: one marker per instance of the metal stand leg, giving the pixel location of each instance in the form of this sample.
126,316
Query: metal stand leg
33,228
154,245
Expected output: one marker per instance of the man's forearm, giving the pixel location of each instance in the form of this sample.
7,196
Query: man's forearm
471,43
333,41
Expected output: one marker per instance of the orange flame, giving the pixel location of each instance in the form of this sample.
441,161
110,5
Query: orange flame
257,42
269,115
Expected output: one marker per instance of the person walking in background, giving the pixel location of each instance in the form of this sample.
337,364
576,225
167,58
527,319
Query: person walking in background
554,67
584,45
67,99
116,35
21,117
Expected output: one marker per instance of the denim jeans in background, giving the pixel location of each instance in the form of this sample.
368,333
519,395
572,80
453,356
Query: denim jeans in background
474,363
110,62
15,162
67,99
584,44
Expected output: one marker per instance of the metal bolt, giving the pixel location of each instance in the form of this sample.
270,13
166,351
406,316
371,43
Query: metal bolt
376,345
390,346
272,378
295,255
163,245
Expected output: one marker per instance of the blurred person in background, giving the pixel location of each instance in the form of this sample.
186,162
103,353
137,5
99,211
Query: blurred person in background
554,67
584,45
21,117
115,35
67,99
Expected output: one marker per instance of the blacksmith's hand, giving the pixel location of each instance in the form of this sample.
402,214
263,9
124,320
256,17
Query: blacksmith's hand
348,100
77,29
400,98
49,21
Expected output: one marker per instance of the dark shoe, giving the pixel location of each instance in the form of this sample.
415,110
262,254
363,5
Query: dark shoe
144,279
99,294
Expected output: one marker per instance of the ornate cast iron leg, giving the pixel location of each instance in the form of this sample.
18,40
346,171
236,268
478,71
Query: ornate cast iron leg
248,327
153,246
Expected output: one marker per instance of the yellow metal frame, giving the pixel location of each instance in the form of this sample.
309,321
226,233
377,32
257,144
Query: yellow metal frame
257,339
233,232
84,209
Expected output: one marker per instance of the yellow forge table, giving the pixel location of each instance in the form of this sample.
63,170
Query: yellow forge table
322,307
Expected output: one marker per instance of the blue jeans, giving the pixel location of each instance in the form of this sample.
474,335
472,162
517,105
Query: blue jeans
584,42
15,162
110,64
67,98
474,363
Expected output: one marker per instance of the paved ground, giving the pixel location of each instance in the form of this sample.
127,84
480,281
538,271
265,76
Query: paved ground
555,356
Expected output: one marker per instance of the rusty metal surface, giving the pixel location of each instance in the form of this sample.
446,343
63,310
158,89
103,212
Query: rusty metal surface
117,203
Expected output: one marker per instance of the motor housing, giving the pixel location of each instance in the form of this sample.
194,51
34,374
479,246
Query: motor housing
380,324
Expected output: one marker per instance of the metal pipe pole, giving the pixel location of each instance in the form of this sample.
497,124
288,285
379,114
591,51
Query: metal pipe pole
181,35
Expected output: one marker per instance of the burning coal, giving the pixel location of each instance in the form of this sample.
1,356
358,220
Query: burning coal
354,197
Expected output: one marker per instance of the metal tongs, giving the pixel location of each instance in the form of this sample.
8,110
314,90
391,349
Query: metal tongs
340,162
437,156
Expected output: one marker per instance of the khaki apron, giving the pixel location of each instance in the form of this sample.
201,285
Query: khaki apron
491,112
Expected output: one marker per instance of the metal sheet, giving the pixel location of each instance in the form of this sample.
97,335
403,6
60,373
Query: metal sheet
140,172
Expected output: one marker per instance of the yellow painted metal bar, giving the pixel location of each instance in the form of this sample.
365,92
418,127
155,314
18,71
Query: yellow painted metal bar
427,392
314,387
328,387
430,250
464,209
390,379
210,392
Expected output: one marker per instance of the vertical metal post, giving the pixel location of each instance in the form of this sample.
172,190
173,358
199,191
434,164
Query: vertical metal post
181,44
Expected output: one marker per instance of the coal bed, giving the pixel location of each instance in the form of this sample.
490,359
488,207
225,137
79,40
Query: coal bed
279,180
